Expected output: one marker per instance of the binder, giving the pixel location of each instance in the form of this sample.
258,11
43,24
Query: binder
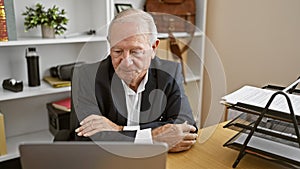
10,19
3,150
267,133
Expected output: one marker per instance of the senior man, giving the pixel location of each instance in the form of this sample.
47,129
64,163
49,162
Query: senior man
132,90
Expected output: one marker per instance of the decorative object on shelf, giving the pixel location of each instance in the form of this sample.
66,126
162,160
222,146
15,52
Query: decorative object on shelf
53,18
47,32
3,30
33,70
12,85
122,7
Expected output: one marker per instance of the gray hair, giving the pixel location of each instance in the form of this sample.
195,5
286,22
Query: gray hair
143,19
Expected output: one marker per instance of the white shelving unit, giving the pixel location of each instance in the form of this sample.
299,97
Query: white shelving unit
60,40
43,89
25,112
14,142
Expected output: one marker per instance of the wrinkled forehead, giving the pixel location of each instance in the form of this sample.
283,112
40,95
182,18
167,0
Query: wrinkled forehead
123,30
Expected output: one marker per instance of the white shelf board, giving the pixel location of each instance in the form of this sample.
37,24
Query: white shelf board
76,39
58,40
12,143
43,89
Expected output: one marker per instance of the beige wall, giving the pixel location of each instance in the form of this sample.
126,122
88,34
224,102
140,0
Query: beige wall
258,42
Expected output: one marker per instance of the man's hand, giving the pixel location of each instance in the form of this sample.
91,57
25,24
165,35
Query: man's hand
94,124
177,136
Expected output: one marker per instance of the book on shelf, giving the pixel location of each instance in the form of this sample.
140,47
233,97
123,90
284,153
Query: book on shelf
56,82
3,27
63,104
3,150
10,19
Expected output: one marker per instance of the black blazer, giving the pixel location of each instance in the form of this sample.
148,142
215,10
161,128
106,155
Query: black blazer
96,89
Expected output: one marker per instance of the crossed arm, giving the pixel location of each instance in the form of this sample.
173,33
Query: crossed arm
179,137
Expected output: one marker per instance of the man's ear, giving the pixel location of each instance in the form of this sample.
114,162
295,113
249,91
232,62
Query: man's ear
155,47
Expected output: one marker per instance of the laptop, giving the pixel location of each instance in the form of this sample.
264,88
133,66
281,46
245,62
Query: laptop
93,155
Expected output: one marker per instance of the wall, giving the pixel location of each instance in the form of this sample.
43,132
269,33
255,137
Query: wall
258,43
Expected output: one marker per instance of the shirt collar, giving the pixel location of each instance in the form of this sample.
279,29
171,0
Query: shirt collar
140,88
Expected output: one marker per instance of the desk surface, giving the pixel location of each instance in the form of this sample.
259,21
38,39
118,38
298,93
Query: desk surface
212,154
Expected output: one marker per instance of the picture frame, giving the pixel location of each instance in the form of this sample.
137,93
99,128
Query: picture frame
122,7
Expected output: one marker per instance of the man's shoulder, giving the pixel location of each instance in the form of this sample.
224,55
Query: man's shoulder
87,68
167,66
160,63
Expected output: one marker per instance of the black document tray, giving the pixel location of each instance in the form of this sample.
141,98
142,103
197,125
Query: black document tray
284,132
261,128
257,111
277,157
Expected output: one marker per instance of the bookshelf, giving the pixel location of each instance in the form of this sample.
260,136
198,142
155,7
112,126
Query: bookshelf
25,113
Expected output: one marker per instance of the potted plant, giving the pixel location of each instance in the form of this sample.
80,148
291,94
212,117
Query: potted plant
52,21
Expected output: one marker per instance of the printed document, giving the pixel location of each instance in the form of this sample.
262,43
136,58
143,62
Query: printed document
259,97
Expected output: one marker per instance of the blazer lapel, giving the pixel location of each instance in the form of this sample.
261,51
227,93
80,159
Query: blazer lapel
119,101
153,99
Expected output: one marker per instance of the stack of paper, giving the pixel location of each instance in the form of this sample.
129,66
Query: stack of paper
259,97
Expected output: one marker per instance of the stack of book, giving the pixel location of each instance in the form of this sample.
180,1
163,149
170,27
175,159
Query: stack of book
56,82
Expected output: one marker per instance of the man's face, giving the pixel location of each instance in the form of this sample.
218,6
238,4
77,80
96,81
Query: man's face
130,51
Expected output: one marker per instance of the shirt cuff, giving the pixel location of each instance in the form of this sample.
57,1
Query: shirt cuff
131,128
143,136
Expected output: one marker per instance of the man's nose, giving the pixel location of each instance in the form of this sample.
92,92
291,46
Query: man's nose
127,60
126,54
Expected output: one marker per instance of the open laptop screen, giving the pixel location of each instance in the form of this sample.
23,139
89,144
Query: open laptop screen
93,155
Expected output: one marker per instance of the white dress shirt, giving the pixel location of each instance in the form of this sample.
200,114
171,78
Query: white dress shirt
133,104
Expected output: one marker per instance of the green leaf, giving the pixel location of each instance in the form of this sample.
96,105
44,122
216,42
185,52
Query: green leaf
37,15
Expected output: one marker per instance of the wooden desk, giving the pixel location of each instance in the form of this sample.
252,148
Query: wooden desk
212,155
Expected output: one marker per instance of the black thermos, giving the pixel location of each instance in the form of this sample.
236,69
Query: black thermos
33,66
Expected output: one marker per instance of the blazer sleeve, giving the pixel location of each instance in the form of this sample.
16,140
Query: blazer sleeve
83,91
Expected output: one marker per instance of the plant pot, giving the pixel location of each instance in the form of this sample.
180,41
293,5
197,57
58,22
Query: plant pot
47,32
